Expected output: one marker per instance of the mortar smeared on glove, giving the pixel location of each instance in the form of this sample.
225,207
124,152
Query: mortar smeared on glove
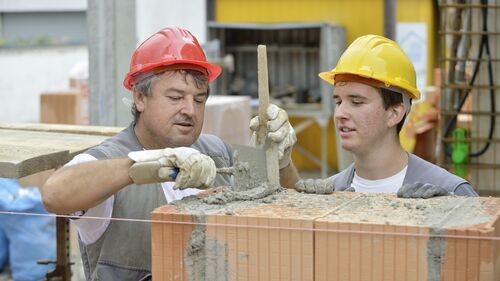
421,190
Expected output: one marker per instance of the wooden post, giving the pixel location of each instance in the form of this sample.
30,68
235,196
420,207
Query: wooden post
263,141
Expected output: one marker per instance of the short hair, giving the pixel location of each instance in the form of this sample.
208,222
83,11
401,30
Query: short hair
392,98
144,86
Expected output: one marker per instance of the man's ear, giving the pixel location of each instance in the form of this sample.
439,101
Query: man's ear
139,100
396,114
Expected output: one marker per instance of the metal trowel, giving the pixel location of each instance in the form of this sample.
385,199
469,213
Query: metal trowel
249,168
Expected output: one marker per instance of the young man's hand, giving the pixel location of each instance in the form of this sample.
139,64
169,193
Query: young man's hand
421,190
279,131
317,186
187,166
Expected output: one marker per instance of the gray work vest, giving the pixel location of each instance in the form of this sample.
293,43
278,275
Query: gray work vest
123,252
418,170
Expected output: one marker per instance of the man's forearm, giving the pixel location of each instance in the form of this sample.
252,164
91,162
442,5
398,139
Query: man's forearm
289,176
82,186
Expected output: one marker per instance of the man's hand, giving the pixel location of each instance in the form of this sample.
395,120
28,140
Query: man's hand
195,170
421,190
279,131
318,186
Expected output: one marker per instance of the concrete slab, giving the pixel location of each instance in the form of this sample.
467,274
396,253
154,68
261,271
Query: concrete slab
63,128
24,151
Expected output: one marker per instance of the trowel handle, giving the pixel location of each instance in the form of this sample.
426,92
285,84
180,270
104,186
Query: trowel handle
169,173
152,171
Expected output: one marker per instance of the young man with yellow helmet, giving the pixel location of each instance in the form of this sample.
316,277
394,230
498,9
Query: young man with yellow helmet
375,83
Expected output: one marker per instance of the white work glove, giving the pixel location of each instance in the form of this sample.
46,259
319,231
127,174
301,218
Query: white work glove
195,170
279,131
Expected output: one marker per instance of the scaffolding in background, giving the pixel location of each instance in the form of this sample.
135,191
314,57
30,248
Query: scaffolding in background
470,91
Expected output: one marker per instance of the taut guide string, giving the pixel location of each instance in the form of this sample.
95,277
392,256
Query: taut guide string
267,227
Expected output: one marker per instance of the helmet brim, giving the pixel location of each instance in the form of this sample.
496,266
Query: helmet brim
414,93
213,70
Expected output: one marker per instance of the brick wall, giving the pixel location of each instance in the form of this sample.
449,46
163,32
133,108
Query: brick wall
345,236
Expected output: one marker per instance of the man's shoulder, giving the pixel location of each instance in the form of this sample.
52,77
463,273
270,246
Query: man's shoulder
116,146
424,167
420,170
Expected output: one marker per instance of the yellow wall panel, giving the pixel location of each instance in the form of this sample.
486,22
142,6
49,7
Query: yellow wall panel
310,140
358,16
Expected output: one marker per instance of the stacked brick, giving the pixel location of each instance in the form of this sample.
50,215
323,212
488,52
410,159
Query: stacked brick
344,236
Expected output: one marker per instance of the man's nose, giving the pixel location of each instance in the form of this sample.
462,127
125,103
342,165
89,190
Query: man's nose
340,111
187,106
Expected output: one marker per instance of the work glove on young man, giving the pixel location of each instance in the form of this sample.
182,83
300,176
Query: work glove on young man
195,170
279,131
421,190
316,186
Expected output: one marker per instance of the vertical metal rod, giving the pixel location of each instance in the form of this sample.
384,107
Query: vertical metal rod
390,19
63,264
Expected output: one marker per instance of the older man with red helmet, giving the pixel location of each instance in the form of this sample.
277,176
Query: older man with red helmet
169,78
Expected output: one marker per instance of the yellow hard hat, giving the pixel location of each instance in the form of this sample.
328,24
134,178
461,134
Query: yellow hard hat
376,57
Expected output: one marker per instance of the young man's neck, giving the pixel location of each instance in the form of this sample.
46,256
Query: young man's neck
382,162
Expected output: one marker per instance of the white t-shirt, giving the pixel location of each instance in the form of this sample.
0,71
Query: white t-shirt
390,184
90,230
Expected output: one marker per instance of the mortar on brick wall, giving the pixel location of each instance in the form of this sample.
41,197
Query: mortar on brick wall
345,236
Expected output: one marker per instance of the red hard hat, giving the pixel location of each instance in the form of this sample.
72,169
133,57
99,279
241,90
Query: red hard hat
169,47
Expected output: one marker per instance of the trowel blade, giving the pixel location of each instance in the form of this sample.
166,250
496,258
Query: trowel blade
250,167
